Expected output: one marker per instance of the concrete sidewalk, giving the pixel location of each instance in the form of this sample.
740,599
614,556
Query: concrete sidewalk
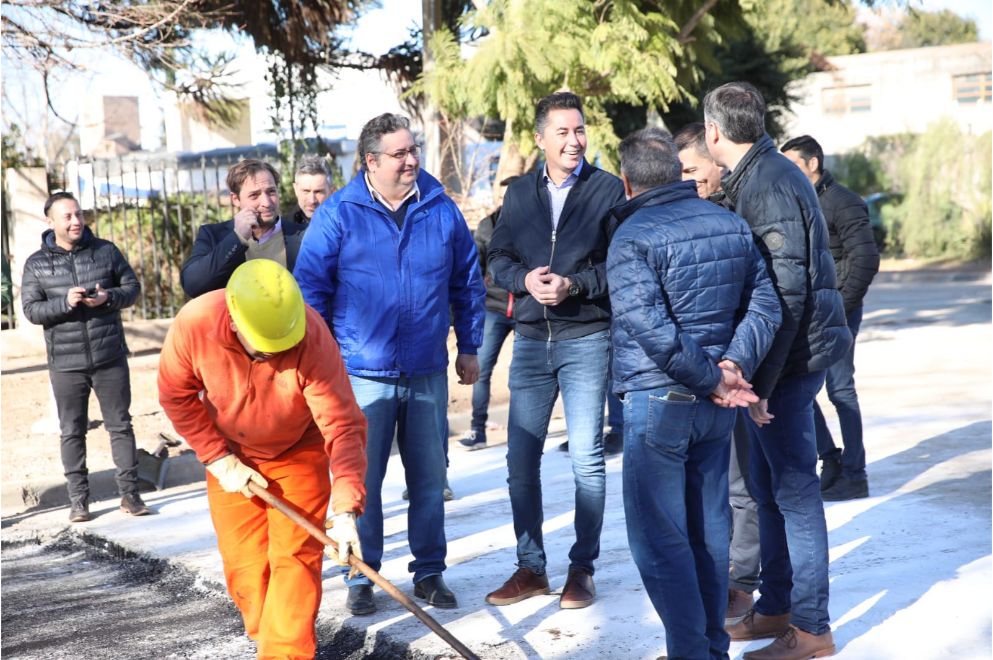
913,558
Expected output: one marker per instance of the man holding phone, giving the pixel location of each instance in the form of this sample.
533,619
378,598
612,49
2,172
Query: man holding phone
86,346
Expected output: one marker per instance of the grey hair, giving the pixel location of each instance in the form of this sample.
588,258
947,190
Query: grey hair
313,165
738,109
370,139
649,158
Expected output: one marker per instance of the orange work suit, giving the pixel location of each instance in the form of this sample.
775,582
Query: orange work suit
284,417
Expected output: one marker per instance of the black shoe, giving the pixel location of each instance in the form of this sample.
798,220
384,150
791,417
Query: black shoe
80,511
830,471
435,592
131,503
564,446
846,488
474,440
359,601
613,443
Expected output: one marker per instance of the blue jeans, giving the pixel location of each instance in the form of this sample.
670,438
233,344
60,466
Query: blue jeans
615,410
841,392
495,332
676,457
792,530
538,371
415,410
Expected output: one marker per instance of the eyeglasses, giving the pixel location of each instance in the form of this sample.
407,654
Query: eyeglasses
402,154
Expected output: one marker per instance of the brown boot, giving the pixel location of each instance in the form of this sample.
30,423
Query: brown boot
795,644
758,626
523,584
739,602
578,591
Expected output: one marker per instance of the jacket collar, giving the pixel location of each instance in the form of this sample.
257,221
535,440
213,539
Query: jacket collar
357,192
664,194
823,183
48,241
733,181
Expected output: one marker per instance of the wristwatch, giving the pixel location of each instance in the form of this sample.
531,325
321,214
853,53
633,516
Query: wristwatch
574,289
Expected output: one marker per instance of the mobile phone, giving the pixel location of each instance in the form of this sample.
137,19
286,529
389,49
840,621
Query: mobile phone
90,293
681,397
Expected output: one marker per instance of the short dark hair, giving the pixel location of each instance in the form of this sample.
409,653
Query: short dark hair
249,167
372,133
738,109
808,148
57,197
556,101
692,136
649,158
313,165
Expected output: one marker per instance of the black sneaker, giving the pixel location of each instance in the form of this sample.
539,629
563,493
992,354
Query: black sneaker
131,503
474,440
830,471
613,443
846,488
360,601
80,511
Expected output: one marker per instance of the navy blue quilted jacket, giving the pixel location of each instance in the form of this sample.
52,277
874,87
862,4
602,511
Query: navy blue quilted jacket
688,288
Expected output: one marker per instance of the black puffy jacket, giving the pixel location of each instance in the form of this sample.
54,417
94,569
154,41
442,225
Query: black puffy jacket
83,338
856,257
523,240
781,207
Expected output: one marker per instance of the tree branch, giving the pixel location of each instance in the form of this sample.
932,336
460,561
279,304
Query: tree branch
687,29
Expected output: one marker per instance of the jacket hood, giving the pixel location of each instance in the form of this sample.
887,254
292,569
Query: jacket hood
732,181
356,192
665,194
48,241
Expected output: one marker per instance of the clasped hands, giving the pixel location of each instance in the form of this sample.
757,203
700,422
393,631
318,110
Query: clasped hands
546,287
734,391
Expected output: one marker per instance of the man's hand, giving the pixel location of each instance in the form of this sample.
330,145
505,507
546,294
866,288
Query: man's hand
98,299
341,528
547,288
245,223
759,412
233,475
75,296
467,368
733,391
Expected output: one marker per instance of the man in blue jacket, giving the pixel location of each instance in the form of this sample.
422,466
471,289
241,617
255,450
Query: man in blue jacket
694,314
388,261
550,252
781,207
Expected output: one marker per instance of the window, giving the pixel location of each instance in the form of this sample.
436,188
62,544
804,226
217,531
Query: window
972,87
845,100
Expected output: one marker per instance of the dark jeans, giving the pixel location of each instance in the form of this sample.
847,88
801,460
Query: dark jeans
615,410
495,332
745,552
678,519
112,384
539,371
792,530
840,383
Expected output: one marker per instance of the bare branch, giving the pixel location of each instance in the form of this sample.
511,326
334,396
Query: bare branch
687,29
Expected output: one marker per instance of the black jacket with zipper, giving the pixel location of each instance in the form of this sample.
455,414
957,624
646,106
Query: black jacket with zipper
524,240
80,338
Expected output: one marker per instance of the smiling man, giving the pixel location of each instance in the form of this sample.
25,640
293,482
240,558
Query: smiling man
255,232
550,252
389,263
697,163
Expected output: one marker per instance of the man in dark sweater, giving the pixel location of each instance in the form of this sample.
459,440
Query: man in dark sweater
76,286
550,250
856,260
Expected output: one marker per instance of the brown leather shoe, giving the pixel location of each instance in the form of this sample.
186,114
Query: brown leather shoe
795,644
523,584
578,590
739,602
758,626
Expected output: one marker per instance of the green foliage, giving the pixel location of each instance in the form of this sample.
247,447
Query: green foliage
14,153
937,28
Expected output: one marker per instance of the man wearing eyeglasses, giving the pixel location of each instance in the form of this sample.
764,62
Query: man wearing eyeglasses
383,261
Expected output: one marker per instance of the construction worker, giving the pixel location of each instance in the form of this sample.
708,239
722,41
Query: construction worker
252,379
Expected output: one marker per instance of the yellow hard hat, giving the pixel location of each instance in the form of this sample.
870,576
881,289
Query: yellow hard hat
266,305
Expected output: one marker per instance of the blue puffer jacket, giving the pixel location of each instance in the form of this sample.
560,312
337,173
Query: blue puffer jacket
386,292
688,288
